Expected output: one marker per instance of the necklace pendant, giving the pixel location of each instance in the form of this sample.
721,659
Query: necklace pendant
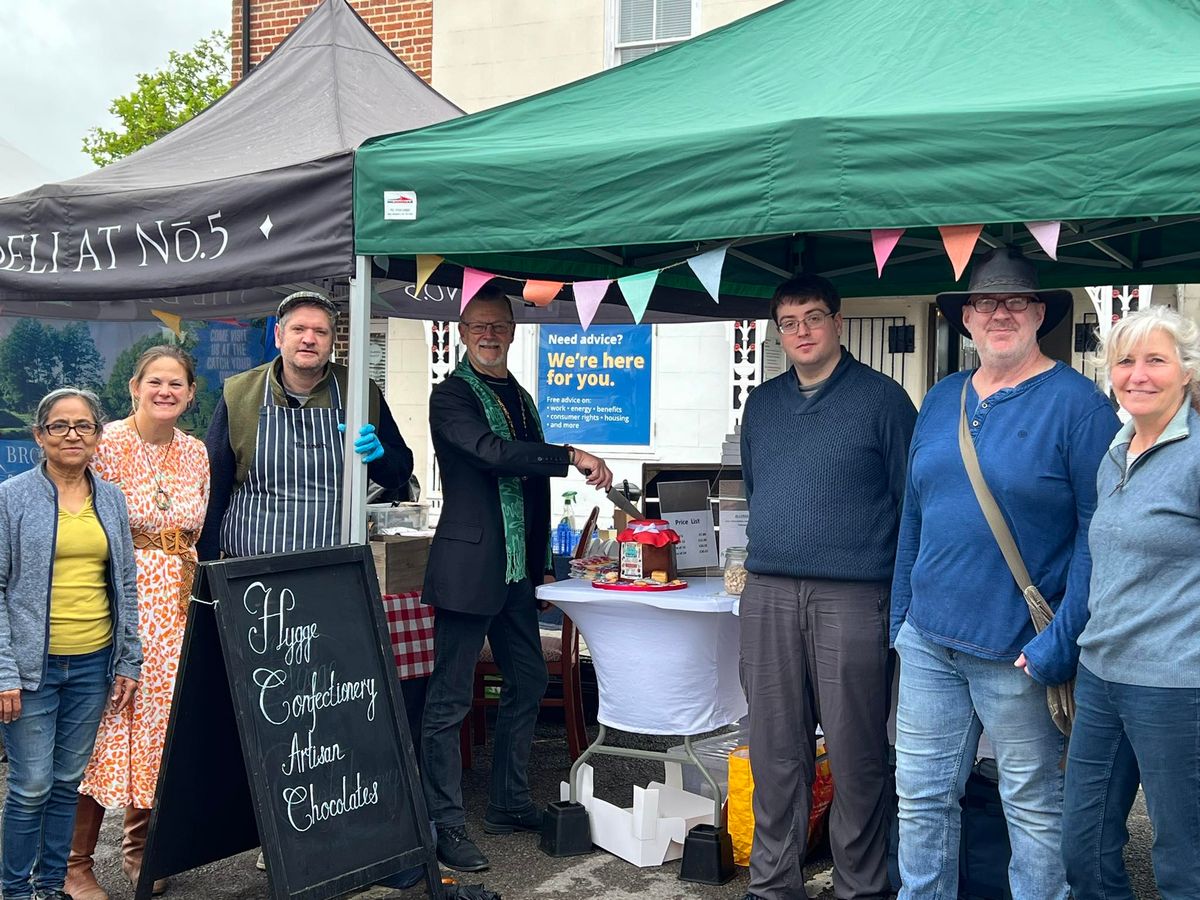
162,499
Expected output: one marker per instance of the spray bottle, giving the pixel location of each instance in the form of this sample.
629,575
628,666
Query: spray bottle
565,534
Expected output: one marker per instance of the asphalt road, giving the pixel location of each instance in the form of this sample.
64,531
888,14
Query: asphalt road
519,870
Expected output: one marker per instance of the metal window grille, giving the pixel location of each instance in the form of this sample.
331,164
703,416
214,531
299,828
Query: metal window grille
871,340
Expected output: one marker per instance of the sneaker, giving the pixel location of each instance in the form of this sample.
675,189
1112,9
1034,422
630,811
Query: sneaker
496,821
752,897
51,895
457,851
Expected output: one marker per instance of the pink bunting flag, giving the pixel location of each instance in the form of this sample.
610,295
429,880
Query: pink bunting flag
473,280
637,289
883,242
541,293
1046,234
959,241
707,267
588,295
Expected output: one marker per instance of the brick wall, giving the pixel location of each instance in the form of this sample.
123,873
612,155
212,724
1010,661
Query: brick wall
404,25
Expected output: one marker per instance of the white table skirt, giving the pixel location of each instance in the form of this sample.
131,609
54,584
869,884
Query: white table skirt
666,662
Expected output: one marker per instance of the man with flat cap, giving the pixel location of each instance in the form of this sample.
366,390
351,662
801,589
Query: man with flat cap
276,453
290,410
971,659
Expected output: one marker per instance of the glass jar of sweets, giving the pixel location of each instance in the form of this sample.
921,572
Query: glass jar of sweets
735,570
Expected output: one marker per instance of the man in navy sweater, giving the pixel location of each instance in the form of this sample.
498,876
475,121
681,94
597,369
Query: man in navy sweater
824,449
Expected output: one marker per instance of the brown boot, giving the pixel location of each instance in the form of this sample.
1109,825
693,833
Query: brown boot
81,880
137,827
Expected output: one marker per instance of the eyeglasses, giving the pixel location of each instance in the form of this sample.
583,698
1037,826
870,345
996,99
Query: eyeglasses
1012,304
499,329
812,321
62,429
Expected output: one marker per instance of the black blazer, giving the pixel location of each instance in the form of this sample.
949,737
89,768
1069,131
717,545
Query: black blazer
467,560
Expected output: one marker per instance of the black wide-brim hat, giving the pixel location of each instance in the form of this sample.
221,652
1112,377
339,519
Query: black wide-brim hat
1005,270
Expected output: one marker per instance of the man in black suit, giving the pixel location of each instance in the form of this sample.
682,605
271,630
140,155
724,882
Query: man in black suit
489,551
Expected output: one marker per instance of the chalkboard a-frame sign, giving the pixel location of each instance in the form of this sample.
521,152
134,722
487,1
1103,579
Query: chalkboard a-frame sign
287,724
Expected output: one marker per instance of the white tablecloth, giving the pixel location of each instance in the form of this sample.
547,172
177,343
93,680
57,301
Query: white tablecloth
666,662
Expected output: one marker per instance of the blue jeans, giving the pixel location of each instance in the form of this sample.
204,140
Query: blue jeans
48,750
1124,733
947,699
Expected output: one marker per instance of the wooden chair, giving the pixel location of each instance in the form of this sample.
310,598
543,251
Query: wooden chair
561,652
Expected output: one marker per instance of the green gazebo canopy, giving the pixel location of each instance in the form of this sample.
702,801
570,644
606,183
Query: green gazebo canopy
794,132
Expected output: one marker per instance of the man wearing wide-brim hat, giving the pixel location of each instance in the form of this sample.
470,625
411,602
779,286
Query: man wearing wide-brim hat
971,659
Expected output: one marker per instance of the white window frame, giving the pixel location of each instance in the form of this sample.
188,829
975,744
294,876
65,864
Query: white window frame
612,47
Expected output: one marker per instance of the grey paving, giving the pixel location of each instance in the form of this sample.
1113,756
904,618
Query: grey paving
519,870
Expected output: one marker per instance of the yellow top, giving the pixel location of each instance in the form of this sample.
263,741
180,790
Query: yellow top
80,620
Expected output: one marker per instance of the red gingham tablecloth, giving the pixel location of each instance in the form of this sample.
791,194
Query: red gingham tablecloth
410,623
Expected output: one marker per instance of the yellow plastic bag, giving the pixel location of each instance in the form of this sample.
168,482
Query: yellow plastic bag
740,808
740,812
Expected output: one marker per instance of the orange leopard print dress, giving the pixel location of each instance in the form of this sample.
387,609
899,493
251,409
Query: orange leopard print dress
124,767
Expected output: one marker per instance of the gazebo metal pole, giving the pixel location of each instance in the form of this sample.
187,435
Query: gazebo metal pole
354,479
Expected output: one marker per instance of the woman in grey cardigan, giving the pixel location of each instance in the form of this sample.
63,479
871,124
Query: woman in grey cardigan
1138,687
68,636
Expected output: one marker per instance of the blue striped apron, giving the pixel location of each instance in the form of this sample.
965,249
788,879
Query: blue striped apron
291,498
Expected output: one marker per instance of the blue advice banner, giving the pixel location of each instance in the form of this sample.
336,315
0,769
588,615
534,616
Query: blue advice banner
594,385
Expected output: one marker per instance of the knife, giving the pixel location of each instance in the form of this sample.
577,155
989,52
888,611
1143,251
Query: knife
620,502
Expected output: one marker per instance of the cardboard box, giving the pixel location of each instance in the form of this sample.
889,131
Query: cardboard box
400,562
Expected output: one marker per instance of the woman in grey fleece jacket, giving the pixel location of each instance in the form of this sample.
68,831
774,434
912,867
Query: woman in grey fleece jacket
1138,686
68,636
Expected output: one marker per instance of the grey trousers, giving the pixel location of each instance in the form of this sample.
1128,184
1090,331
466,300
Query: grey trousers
817,652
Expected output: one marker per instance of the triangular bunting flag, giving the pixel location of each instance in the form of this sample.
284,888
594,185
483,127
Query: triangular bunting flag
959,241
636,290
230,321
540,293
473,280
427,264
588,295
883,242
707,267
171,320
1046,234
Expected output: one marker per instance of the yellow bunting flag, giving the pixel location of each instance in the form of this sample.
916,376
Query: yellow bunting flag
427,264
540,293
959,241
171,320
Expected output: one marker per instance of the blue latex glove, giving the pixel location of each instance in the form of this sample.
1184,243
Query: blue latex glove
366,445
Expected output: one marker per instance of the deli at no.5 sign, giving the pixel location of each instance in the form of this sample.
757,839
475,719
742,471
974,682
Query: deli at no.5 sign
594,385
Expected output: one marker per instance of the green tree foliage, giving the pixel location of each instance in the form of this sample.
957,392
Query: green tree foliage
163,100
36,358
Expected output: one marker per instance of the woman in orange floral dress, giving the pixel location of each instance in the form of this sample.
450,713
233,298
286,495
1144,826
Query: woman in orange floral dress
164,474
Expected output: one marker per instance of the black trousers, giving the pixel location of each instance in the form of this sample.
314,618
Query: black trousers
517,648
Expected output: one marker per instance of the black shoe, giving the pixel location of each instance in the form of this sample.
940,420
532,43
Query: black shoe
51,895
457,851
752,897
496,821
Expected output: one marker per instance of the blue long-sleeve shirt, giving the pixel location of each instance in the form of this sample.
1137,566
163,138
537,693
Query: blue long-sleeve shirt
1039,446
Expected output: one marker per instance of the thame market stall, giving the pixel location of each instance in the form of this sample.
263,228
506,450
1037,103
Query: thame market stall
825,137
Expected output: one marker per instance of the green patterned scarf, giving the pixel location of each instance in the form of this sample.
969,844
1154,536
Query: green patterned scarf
512,498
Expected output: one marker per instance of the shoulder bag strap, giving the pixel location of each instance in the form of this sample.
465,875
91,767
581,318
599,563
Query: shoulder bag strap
987,503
